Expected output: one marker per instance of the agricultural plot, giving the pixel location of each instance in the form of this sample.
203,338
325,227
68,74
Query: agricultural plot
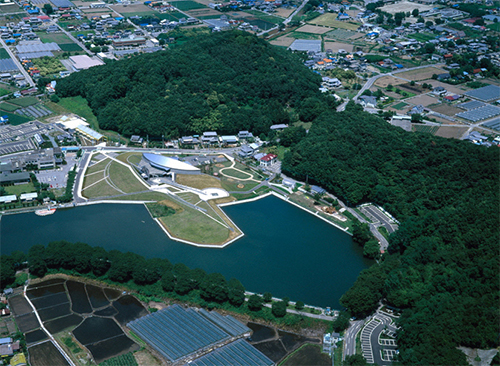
283,41
342,34
423,99
54,37
48,65
446,109
60,324
129,309
399,106
425,128
79,301
45,354
70,47
384,81
330,20
336,46
265,16
452,132
313,29
420,74
123,360
132,9
24,102
422,37
8,107
186,5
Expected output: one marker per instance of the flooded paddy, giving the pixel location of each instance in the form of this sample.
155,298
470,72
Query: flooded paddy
27,322
19,305
61,304
35,336
310,354
129,308
79,300
60,324
112,347
261,332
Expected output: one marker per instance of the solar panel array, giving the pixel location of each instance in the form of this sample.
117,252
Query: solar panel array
493,124
473,104
475,115
228,323
176,333
234,354
486,93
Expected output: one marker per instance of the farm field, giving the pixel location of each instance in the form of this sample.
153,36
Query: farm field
3,54
451,131
264,16
54,37
400,106
24,102
423,99
386,80
330,20
457,89
422,37
313,29
135,8
301,35
12,8
425,128
446,109
421,74
186,5
336,46
283,41
8,107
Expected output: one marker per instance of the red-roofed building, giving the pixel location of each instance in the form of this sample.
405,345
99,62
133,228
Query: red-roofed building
448,55
268,159
476,71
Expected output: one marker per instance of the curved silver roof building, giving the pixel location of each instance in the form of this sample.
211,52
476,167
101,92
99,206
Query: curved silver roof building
165,163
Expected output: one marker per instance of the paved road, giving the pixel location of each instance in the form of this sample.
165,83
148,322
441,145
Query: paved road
350,337
287,20
18,64
372,80
373,228
378,217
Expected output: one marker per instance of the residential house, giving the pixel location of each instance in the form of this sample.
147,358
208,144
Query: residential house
268,160
278,127
245,135
246,151
368,101
438,90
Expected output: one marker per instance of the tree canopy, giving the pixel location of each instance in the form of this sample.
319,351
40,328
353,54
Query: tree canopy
443,267
224,82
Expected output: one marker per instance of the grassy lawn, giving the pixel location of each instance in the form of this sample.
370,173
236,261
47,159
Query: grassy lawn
232,185
130,158
101,189
428,129
93,178
301,35
187,5
422,37
21,188
54,37
382,230
24,102
8,107
192,225
78,105
189,197
236,174
330,20
399,106
267,17
97,166
146,196
70,47
124,179
15,119
199,181
3,54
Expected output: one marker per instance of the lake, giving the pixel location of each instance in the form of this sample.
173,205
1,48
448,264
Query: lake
285,250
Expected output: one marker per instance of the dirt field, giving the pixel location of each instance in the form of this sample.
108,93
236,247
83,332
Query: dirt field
446,109
313,29
330,20
285,13
336,46
283,41
420,74
405,6
386,80
457,89
136,8
424,99
204,12
451,132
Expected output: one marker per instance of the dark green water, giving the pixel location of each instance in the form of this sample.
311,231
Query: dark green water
285,250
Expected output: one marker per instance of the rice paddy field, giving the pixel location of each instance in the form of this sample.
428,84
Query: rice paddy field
93,314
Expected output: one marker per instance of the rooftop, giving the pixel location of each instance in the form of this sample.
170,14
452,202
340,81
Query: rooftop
486,93
83,62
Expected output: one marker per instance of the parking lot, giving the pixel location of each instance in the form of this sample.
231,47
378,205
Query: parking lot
56,178
379,218
14,139
17,146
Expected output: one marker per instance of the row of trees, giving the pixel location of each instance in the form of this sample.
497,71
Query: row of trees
443,267
96,262
223,82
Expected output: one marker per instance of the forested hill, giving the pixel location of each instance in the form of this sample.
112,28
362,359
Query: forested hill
444,266
222,82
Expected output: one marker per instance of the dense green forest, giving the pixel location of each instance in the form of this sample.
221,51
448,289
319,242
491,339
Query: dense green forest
223,82
443,267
